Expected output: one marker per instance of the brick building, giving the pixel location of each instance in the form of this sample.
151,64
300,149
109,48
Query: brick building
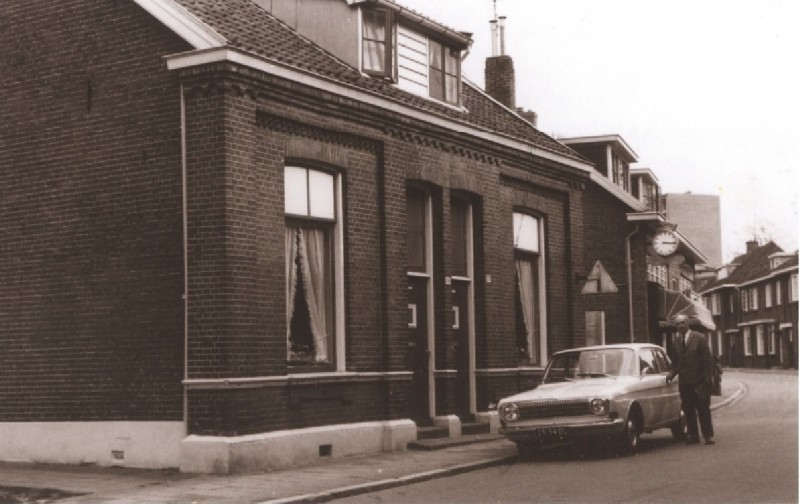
239,235
754,302
628,288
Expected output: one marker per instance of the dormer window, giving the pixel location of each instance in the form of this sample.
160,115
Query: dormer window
395,50
377,43
443,72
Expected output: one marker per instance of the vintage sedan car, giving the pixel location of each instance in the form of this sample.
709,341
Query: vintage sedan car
608,393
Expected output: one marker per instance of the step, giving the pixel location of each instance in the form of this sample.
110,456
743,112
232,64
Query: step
474,428
432,432
448,442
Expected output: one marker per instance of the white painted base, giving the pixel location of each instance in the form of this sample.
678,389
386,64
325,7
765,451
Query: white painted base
152,445
289,448
452,422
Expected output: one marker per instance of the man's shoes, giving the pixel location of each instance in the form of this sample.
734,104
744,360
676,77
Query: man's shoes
710,441
692,440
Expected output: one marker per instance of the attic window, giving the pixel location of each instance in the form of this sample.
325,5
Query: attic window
377,44
443,72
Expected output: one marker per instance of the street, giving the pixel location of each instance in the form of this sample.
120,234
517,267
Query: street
755,460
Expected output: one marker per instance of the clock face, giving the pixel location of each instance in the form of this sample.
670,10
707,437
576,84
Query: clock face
665,243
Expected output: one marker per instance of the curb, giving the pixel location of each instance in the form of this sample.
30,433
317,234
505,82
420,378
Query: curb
742,388
375,486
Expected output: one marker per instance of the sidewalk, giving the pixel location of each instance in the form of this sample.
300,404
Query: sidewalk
331,478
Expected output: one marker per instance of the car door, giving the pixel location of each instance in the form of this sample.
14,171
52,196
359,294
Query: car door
672,397
652,395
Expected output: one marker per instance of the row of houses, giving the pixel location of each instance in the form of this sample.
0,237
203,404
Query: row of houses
244,235
753,300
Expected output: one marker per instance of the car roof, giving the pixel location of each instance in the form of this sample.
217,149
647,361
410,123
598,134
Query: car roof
628,346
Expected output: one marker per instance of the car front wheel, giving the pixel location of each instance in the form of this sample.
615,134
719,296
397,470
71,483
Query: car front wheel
630,437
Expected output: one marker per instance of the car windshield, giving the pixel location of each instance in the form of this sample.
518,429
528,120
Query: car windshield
586,364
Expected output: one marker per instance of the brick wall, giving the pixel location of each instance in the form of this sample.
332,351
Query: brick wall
91,315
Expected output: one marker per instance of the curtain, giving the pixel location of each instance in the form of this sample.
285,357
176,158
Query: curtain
526,296
314,256
291,282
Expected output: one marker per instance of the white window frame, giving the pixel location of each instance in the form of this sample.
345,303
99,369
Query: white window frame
748,347
745,295
778,292
339,337
518,223
715,299
754,298
793,288
773,340
720,346
760,342
768,295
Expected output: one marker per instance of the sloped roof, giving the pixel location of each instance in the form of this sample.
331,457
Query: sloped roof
247,27
752,265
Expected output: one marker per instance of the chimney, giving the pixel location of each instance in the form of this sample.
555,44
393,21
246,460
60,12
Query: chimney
751,245
528,115
499,72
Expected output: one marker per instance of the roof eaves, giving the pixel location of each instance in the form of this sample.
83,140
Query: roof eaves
330,84
617,191
613,139
182,22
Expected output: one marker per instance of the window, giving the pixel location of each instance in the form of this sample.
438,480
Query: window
715,304
443,72
376,40
657,274
777,292
748,347
793,288
731,302
767,295
529,291
760,339
310,208
754,298
619,172
745,298
772,342
686,284
720,346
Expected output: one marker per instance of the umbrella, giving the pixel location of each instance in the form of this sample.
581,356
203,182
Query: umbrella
676,303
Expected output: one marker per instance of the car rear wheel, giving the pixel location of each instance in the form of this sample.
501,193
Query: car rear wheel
679,428
631,435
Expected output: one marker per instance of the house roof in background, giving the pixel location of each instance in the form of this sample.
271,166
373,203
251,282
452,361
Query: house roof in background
752,265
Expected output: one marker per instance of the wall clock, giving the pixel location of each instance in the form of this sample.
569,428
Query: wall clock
665,243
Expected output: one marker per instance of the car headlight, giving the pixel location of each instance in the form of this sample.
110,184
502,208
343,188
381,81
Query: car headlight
509,412
599,406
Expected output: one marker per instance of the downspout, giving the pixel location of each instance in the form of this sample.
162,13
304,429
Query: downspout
629,265
185,224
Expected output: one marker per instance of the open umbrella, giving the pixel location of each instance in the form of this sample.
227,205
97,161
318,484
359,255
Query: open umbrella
679,303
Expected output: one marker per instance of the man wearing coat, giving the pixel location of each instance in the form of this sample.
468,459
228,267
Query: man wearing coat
694,366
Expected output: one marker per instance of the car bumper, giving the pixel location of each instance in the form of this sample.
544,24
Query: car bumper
568,429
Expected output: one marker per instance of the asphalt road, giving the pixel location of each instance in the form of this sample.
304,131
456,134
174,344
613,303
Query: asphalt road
755,460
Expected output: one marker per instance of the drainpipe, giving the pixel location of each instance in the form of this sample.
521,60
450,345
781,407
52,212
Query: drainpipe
629,264
185,266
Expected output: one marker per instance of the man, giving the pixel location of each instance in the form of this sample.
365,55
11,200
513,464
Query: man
694,366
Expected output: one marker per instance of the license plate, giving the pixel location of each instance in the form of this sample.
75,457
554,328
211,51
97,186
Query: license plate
559,432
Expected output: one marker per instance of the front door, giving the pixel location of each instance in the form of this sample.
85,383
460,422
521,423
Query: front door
418,351
461,346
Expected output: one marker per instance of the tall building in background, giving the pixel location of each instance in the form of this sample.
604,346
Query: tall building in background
698,218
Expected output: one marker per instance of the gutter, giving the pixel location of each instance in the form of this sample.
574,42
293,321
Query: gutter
185,225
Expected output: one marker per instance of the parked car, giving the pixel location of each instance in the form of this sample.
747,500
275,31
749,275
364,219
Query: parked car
610,393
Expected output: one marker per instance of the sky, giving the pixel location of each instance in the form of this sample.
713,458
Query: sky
706,92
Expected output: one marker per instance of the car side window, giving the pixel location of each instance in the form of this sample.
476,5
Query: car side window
662,360
647,362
